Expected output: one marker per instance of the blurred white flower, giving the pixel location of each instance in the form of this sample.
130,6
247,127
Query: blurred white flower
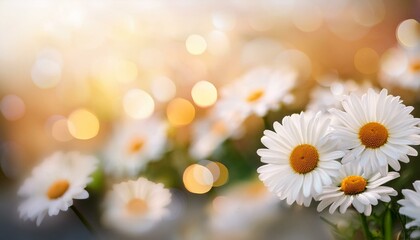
211,131
401,67
135,207
324,98
134,144
377,129
54,184
356,187
239,209
300,158
260,90
410,207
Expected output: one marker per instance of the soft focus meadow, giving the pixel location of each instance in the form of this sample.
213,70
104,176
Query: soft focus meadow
159,119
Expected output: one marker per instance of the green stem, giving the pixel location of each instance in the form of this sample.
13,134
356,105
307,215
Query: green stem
365,225
82,219
329,222
402,221
388,225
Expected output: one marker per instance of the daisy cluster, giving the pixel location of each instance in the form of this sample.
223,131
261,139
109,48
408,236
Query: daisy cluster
142,78
136,206
133,206
344,158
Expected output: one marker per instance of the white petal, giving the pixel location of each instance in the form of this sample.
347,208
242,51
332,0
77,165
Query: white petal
359,206
317,183
362,199
336,204
39,219
346,204
82,195
332,156
368,210
307,185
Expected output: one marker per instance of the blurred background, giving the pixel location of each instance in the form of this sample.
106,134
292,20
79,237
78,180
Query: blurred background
72,71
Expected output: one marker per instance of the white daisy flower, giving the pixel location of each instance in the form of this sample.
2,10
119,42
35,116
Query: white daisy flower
260,90
410,207
135,207
134,144
401,68
300,158
377,129
54,184
356,187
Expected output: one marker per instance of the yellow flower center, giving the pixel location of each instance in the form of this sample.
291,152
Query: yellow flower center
136,145
352,185
373,135
136,206
57,189
255,95
304,158
415,66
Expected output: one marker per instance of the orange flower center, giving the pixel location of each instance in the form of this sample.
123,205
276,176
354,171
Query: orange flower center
255,95
136,145
352,185
415,66
57,189
304,158
136,206
373,135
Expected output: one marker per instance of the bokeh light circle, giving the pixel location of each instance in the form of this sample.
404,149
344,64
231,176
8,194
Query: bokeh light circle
196,44
46,73
408,33
82,124
204,93
180,112
138,104
197,179
12,107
